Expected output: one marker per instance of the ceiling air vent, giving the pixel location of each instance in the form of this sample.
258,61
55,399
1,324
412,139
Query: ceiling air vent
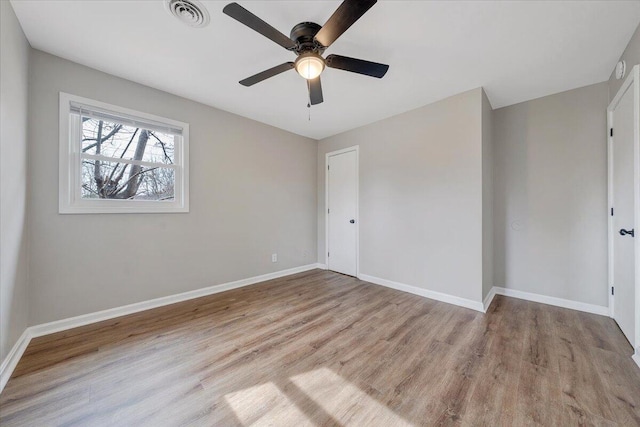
191,12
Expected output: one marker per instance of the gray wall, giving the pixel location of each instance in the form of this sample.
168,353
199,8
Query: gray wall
632,56
487,195
14,49
550,193
420,196
253,193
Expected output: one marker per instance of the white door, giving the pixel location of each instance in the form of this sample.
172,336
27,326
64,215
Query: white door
342,209
623,214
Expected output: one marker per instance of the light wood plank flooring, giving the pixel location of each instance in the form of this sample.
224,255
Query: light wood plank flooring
320,348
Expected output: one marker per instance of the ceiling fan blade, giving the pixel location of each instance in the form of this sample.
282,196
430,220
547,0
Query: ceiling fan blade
359,66
257,78
247,18
344,17
315,91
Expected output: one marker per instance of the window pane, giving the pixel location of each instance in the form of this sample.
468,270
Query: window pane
127,142
112,180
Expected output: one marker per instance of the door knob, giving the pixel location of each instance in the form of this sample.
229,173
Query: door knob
353,221
629,232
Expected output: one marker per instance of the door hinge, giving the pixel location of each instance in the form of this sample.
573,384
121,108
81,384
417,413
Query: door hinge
611,211
328,167
612,291
611,132
327,254
328,210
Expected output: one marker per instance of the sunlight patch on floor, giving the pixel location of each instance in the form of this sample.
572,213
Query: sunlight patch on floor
345,401
265,405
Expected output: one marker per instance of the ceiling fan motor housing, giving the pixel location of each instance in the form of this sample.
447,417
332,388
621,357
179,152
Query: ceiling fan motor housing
303,34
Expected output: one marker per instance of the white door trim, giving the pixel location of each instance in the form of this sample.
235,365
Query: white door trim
355,148
634,77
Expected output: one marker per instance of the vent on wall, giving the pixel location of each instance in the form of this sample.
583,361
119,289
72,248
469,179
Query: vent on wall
190,12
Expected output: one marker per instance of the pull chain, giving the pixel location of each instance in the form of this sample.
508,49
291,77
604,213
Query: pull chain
309,103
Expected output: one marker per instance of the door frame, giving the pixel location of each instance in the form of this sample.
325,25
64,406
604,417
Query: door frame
632,79
355,148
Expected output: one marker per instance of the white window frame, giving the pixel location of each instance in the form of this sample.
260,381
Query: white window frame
70,164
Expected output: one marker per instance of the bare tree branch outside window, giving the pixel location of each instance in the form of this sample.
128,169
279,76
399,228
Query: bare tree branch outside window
116,179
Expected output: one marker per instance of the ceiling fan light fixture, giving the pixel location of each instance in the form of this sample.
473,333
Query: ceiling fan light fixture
309,65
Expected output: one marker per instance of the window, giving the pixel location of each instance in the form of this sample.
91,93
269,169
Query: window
113,160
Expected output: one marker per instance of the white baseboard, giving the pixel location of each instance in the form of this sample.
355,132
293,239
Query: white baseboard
489,298
98,316
10,362
322,266
438,296
558,302
636,357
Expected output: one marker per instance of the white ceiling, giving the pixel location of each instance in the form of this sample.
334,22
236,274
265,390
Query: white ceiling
516,50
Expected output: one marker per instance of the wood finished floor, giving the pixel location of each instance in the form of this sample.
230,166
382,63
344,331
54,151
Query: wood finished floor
319,348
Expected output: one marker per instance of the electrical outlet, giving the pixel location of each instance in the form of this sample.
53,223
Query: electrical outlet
274,257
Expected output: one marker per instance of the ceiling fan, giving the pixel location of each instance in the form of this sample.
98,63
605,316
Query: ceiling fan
308,41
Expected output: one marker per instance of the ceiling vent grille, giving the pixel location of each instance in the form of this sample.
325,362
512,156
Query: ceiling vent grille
190,12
